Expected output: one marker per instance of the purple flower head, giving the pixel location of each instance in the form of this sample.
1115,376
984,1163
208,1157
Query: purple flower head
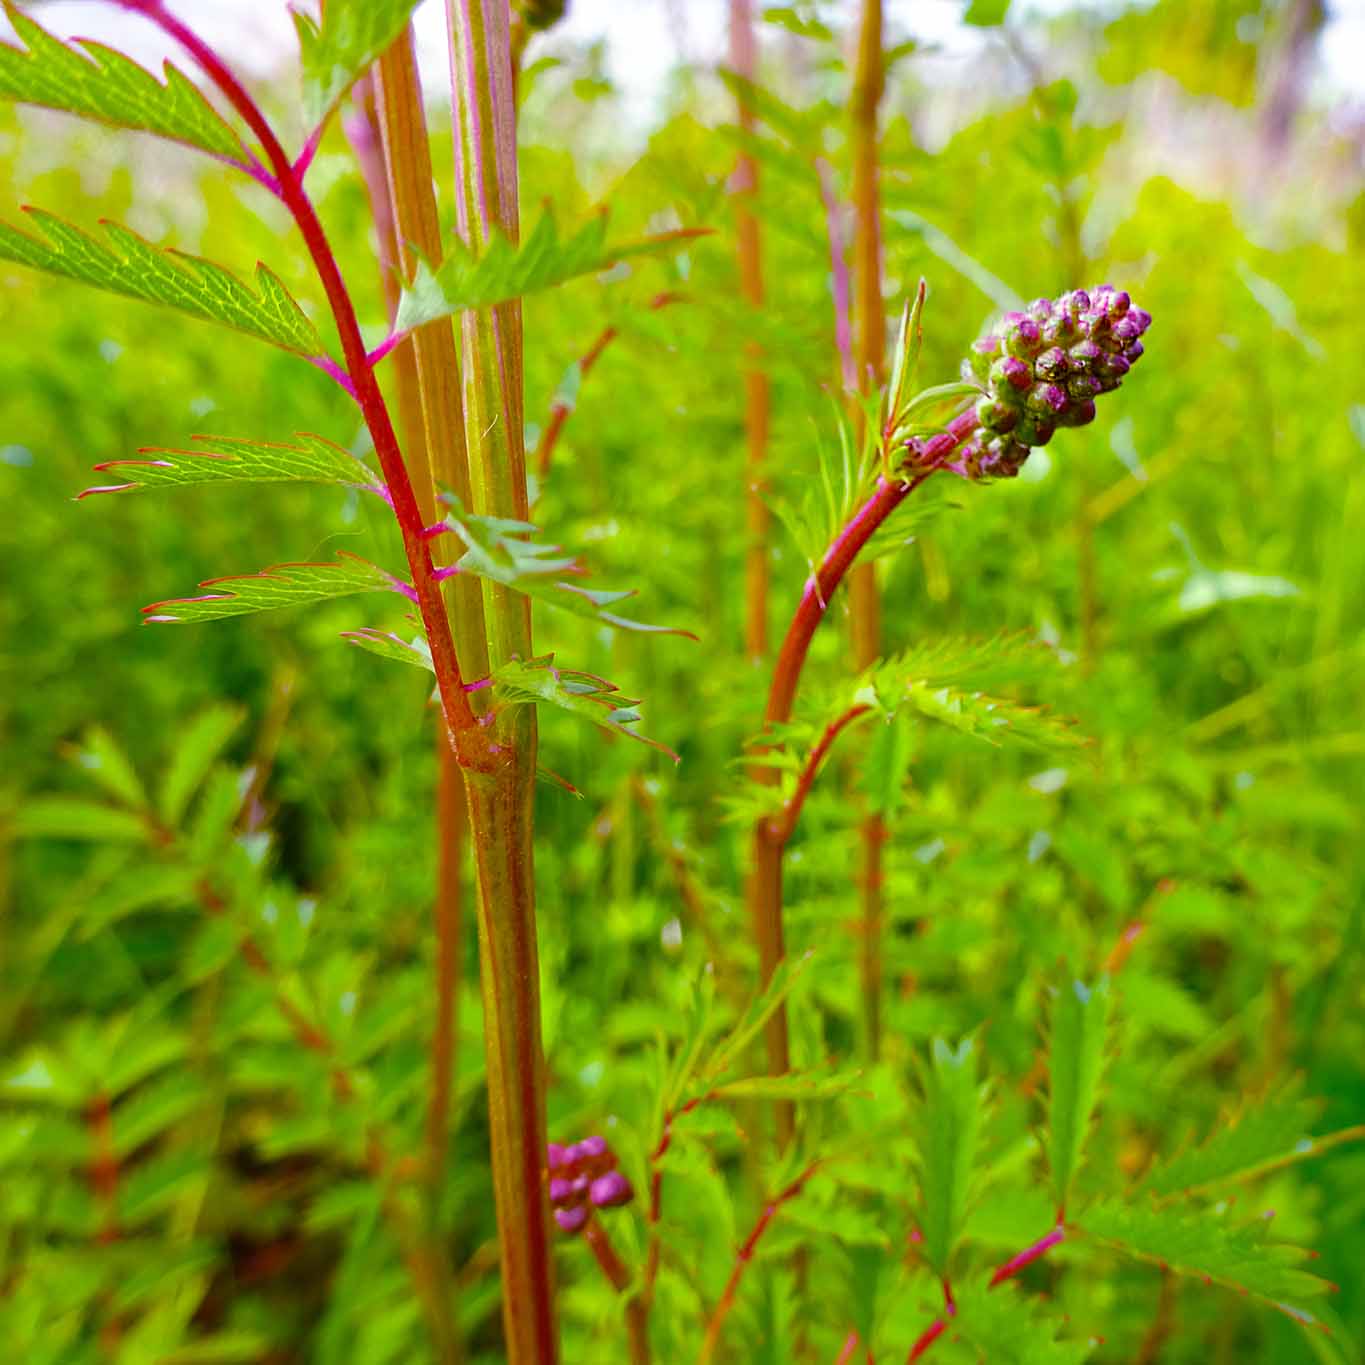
593,1147
572,1220
610,1191
1042,369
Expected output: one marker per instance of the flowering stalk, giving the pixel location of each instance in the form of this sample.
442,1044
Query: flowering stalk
757,402
870,341
500,803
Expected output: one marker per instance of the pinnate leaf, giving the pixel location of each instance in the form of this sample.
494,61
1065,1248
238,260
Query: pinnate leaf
1204,1244
500,550
1080,1028
230,459
334,53
582,694
389,645
284,585
785,978
135,268
506,270
1262,1137
1007,1328
94,81
949,1132
195,752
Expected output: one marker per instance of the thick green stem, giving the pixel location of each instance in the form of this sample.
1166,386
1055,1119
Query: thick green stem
500,803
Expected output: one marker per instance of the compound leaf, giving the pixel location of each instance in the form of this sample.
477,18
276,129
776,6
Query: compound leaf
1080,1027
135,268
94,81
1007,1328
582,694
230,459
949,1134
335,53
283,585
499,550
507,270
1204,1244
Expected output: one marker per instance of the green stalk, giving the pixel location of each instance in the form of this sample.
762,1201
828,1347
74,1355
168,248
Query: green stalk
500,802
869,327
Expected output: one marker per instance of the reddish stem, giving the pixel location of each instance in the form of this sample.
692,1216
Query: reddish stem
560,410
466,734
744,1256
104,1167
847,1349
784,825
619,1277
1029,1254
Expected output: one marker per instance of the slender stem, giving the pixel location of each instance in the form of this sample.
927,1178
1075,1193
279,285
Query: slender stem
757,399
561,409
846,1351
469,739
742,1259
869,326
500,806
785,824
619,1277
104,1169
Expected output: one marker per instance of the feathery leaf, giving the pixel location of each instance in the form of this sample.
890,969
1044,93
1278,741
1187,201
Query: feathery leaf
282,585
231,459
335,53
94,81
1080,1027
582,694
135,268
498,549
506,270
1007,1328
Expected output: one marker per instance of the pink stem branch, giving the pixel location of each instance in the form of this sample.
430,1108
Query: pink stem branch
468,737
785,824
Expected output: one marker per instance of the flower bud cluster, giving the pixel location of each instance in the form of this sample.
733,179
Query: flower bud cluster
583,1176
1043,369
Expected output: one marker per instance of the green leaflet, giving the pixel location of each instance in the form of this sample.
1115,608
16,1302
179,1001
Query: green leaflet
1203,1244
139,270
283,585
96,82
1260,1138
1080,1026
582,694
498,549
196,750
1007,1328
506,270
334,54
948,1137
228,459
388,645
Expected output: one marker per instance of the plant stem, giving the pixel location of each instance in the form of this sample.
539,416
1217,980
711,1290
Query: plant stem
500,804
742,1259
785,824
757,401
468,737
869,327
620,1279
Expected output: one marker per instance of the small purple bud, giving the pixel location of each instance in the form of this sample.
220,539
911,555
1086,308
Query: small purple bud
988,345
1040,309
1035,430
996,415
1082,387
1046,400
1061,329
1010,370
612,1190
1079,414
560,1189
1127,329
593,1147
1022,337
1142,317
968,462
1119,303
1083,356
1052,364
1078,301
570,1220
556,1155
1112,366
1133,352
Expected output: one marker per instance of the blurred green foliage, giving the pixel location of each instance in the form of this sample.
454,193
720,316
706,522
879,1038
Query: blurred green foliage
1196,555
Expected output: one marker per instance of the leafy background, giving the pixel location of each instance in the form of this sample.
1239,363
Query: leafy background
1196,555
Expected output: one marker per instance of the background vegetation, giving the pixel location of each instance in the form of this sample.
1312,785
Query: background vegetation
181,1180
